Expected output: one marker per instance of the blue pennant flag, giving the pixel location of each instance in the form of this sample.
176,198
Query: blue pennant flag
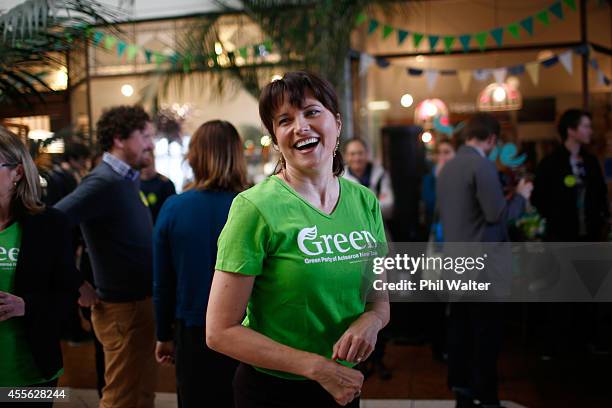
373,26
98,36
415,71
594,64
148,55
465,42
401,36
606,80
557,10
121,46
550,62
498,35
433,41
381,62
527,24
516,70
582,49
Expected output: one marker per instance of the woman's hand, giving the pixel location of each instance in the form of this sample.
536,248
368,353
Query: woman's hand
343,383
10,306
164,352
88,296
359,340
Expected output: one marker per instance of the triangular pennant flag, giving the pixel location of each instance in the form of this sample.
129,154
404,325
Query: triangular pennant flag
244,52
382,62
433,41
361,18
498,35
448,43
594,64
482,74
601,78
401,36
481,38
373,26
557,10
465,76
513,29
417,37
527,24
533,69
174,58
109,42
159,58
543,17
592,273
465,42
550,61
268,45
432,77
98,36
582,49
365,60
132,51
571,4
567,59
500,75
121,48
387,30
148,55
516,70
188,57
415,72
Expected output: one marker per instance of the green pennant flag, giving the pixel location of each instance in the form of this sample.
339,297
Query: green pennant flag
131,52
361,18
187,62
498,35
109,42
121,46
401,36
244,52
373,26
448,43
543,17
159,58
148,55
527,24
433,41
557,10
513,29
387,30
571,4
465,42
417,37
268,45
481,38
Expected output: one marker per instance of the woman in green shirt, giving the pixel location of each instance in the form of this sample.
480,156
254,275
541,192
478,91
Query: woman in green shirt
295,253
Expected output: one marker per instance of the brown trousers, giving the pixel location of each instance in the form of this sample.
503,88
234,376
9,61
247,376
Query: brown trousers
127,333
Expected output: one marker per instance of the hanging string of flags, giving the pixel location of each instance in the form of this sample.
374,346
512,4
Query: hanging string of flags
499,74
465,40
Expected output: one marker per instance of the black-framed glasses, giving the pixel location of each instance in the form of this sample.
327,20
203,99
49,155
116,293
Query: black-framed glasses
9,164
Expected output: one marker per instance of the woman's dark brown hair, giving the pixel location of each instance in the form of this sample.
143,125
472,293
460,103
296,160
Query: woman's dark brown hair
216,158
295,85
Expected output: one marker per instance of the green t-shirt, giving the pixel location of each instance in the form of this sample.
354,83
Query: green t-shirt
17,367
311,268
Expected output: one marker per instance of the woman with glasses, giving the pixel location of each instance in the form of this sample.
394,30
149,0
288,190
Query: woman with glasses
38,277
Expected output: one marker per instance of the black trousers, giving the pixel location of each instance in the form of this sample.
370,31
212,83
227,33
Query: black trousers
253,389
203,376
474,342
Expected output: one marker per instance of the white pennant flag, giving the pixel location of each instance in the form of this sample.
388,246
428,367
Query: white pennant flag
500,75
567,60
600,77
432,78
482,74
464,79
365,60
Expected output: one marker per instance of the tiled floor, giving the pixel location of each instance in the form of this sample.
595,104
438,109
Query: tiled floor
87,398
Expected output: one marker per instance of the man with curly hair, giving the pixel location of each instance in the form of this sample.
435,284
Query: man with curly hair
117,228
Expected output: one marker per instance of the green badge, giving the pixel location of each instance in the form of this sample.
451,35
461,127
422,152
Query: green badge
144,199
569,181
152,198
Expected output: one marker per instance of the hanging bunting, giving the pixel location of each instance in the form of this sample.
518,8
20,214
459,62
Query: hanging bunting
527,24
465,42
533,69
361,18
594,64
132,51
121,48
432,77
582,49
601,78
465,76
159,58
401,36
557,10
448,43
417,37
383,63
415,72
174,59
365,60
513,29
98,36
482,74
387,30
516,70
550,61
571,4
372,27
481,38
500,75
268,45
244,52
109,42
543,17
498,35
433,41
567,59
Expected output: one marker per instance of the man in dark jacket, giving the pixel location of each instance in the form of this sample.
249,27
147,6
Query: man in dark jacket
569,188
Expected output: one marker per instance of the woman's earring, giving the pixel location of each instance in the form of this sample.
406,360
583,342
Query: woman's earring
337,146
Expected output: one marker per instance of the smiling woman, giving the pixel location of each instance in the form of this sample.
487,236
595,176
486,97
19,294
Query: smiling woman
288,251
